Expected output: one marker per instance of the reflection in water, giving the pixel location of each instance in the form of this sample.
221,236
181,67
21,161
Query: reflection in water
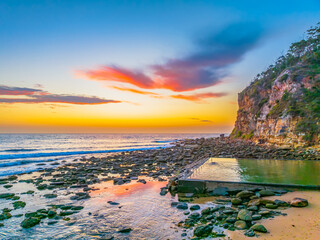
141,208
261,171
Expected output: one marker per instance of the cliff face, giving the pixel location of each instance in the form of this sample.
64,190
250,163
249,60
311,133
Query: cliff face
282,104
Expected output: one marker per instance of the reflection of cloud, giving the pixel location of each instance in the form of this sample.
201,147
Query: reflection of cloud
203,68
39,96
199,96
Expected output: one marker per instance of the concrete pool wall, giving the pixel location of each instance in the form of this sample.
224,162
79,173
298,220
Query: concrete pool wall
237,174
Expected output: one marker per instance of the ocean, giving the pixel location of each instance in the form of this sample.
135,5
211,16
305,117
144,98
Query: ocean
22,153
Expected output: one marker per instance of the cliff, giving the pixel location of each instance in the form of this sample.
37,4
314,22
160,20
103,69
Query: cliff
282,104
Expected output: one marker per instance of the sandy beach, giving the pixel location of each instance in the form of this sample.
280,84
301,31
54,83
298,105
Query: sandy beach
300,223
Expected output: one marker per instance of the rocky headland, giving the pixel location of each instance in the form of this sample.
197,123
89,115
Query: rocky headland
282,104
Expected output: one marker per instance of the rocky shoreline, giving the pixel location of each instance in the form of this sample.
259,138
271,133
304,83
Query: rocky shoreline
78,176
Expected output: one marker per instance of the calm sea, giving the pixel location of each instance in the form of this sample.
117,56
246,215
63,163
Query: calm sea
20,153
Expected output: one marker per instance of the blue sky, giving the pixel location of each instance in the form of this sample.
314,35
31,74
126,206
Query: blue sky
44,43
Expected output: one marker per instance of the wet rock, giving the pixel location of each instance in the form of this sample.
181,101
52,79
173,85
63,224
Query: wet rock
194,207
30,222
42,186
219,191
271,206
240,225
80,196
203,231
236,201
259,228
299,202
125,230
244,194
19,204
163,191
195,216
256,217
245,215
113,203
77,208
264,213
50,195
52,222
231,220
249,233
206,211
259,201
56,183
52,213
281,203
142,181
253,208
182,205
228,211
265,193
174,204
5,215
28,192
7,195
66,213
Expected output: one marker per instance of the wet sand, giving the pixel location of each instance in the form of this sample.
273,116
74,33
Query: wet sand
300,223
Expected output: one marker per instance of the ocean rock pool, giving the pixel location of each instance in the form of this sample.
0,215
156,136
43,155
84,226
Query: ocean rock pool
298,172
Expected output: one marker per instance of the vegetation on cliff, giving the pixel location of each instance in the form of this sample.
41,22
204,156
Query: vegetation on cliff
288,89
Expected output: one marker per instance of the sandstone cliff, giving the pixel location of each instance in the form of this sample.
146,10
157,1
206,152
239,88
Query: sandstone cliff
282,104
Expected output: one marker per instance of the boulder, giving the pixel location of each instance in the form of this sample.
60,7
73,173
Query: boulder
244,194
194,207
245,215
182,205
265,193
299,202
30,222
259,228
240,225
256,217
271,206
203,231
236,201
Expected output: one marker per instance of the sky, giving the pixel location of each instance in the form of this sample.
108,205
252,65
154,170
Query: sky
90,66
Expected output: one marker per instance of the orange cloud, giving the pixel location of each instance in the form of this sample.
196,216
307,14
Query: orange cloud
199,96
135,91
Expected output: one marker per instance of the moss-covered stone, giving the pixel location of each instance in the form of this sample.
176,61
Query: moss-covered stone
7,195
259,228
5,215
30,222
50,195
19,204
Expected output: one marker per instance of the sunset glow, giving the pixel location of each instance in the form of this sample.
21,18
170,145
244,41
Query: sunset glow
88,71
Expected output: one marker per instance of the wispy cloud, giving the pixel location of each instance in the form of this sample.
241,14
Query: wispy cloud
205,67
5,90
40,96
135,91
202,120
199,96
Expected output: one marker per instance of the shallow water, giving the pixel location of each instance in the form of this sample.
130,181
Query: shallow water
260,171
20,153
